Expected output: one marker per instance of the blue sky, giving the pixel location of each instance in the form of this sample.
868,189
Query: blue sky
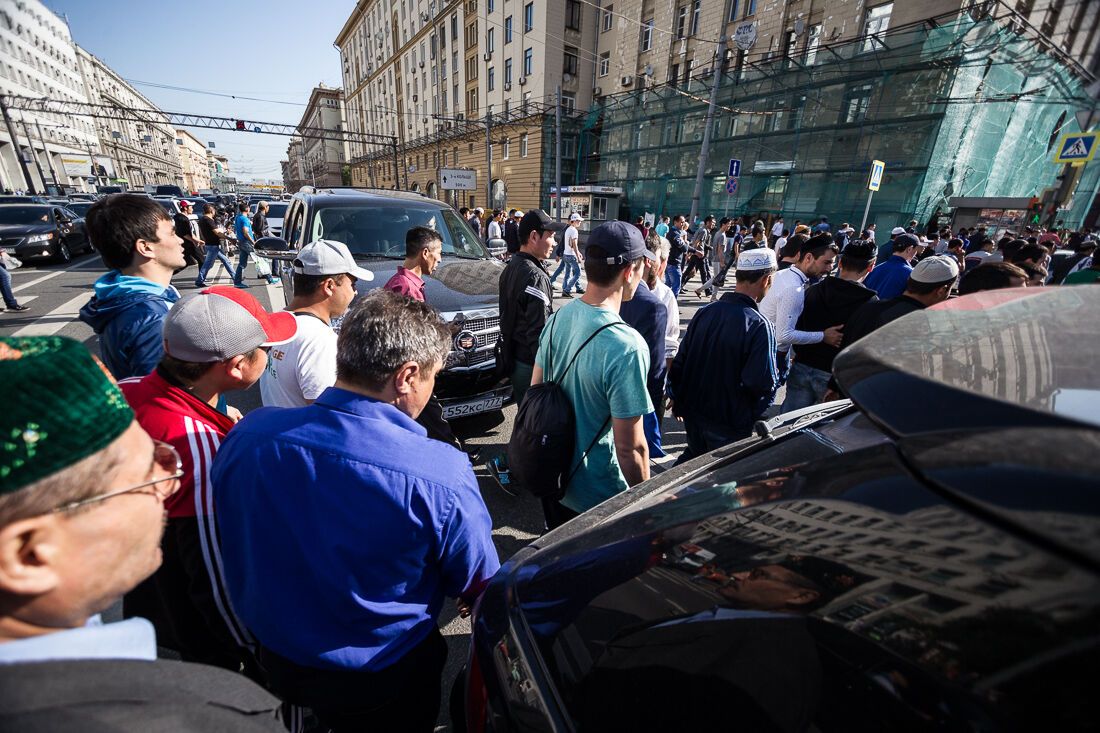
277,50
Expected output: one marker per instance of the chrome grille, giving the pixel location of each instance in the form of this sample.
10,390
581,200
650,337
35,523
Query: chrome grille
485,329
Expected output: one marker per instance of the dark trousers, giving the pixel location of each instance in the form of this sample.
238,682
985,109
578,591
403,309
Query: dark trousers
402,698
696,264
556,513
183,604
704,436
431,419
192,254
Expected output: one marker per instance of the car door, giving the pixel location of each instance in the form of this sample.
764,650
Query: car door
79,235
293,227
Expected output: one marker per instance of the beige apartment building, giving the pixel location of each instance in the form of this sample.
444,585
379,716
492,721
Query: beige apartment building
192,152
430,73
322,157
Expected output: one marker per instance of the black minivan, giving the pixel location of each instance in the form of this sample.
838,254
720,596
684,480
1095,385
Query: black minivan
373,223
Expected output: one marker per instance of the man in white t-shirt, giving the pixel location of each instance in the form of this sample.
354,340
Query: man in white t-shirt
571,257
297,372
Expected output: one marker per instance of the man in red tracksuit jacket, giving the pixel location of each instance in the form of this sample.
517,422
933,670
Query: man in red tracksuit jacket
181,404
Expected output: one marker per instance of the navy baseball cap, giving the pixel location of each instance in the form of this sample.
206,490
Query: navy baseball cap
621,241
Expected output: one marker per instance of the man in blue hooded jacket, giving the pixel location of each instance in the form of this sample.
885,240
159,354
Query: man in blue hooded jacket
137,240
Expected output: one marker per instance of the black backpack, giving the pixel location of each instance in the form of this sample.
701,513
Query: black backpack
540,451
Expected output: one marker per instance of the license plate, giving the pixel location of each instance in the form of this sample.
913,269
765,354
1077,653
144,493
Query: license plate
464,409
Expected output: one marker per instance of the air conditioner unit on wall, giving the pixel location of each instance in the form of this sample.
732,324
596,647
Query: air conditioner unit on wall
597,92
488,56
507,87
627,81
522,80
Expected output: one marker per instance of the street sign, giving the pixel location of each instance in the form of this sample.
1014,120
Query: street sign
457,179
735,168
1076,147
744,35
878,167
731,185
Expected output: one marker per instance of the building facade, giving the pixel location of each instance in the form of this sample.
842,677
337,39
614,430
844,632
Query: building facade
294,175
221,178
38,59
143,153
322,156
192,152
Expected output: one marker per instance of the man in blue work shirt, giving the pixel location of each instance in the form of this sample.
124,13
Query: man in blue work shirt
246,243
339,553
724,375
889,278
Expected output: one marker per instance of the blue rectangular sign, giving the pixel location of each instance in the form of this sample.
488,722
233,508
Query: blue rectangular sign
735,168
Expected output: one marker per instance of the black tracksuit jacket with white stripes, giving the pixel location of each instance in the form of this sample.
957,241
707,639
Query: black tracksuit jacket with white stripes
526,302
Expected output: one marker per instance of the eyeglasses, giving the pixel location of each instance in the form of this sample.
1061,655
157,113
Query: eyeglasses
166,458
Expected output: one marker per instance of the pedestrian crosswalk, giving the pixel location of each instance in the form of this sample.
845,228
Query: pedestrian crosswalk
56,319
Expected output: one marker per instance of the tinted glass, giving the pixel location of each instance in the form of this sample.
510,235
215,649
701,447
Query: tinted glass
168,206
380,230
80,208
276,211
24,215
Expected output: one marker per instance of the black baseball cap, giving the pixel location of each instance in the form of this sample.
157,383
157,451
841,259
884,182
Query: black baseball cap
537,220
621,241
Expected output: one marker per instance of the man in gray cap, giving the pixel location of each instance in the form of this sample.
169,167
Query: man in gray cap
215,341
298,371
606,383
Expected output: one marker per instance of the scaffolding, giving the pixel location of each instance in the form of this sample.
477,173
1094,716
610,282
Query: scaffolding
969,104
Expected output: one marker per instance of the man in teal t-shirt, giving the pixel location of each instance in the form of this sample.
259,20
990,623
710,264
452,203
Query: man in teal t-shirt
607,384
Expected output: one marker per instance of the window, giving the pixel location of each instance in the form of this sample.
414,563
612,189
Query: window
507,147
508,30
568,101
523,145
454,27
875,22
528,17
526,102
608,18
573,14
492,79
605,63
813,40
647,34
733,11
857,100
528,62
492,5
673,74
490,40
750,8
695,10
568,146
681,21
508,71
569,63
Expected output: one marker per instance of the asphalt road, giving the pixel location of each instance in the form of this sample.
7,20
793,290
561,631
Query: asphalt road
55,294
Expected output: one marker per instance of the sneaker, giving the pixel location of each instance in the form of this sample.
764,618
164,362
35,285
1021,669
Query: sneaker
567,295
580,291
242,285
271,280
18,308
200,284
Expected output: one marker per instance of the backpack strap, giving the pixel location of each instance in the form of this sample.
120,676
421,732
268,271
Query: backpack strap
588,450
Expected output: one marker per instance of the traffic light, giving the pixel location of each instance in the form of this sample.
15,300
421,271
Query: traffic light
1034,209
240,124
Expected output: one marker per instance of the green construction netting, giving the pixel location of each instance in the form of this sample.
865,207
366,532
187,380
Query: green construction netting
957,107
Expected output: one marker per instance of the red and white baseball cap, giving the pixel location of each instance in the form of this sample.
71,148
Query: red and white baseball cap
221,322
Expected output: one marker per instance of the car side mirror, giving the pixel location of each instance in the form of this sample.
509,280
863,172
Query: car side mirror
275,248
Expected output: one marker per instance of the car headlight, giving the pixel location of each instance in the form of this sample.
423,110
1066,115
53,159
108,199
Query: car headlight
40,237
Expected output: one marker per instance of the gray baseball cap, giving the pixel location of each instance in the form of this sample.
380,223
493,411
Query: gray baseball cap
221,322
328,257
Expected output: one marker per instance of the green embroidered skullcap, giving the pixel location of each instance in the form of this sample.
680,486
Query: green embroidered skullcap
60,406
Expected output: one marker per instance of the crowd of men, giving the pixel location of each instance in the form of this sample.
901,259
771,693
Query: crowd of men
297,559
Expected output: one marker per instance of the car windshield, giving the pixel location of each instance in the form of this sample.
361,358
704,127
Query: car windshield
379,231
168,206
80,207
275,211
24,215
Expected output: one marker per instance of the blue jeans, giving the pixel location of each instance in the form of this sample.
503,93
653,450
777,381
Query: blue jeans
783,365
242,262
805,387
672,279
561,266
213,253
5,288
572,274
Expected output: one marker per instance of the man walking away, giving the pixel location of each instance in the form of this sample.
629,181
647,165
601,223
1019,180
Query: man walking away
784,302
192,248
830,302
889,278
246,242
298,371
526,300
138,242
570,258
338,555
700,256
649,317
213,235
607,383
182,404
260,229
724,376
81,519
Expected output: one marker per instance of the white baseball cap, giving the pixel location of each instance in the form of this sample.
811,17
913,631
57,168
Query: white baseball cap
897,230
328,257
575,217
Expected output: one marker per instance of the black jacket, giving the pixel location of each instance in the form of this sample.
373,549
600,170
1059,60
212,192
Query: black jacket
511,235
99,695
829,303
649,317
876,314
526,301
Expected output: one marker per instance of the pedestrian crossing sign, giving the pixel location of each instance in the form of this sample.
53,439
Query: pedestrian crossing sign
878,167
1076,147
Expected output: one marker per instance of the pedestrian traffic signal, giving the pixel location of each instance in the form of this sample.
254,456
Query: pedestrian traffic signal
240,124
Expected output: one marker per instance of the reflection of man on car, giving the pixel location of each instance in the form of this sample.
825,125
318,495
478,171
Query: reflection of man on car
795,583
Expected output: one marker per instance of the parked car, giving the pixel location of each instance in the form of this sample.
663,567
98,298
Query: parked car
925,556
373,223
168,191
276,210
80,208
34,231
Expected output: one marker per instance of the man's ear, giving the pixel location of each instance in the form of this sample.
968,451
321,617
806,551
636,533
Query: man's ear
803,597
29,552
144,249
406,375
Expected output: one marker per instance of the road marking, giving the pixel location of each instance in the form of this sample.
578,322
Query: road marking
56,319
275,296
55,273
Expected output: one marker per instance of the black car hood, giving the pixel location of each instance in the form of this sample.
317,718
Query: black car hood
458,284
987,360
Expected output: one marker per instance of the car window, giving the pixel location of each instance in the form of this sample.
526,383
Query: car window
380,230
295,226
276,211
24,215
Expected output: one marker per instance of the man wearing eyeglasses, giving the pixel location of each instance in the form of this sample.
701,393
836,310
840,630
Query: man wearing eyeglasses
182,403
82,503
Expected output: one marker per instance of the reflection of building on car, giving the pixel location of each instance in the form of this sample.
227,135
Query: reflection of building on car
924,556
463,288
